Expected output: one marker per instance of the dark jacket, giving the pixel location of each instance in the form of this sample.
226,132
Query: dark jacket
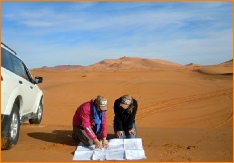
124,120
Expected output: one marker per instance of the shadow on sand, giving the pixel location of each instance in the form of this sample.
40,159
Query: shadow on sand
59,137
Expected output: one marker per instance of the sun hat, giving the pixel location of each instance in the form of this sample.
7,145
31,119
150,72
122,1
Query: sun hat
125,101
101,102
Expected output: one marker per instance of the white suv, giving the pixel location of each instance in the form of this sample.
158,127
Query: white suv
21,97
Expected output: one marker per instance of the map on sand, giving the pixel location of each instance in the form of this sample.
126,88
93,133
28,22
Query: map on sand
119,149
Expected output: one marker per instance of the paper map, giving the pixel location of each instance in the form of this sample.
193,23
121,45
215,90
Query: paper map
119,149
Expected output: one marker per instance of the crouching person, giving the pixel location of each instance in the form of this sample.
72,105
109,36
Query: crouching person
125,109
89,123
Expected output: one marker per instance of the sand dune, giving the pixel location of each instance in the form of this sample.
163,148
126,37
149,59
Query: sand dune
124,63
135,63
224,68
185,111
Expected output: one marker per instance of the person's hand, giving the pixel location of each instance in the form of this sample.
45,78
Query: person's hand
105,143
98,144
132,131
119,133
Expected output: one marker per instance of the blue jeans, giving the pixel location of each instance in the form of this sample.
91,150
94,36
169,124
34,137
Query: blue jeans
126,133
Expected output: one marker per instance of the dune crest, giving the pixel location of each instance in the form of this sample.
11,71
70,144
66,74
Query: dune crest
136,63
225,68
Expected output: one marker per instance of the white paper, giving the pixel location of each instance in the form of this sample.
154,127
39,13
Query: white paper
116,141
83,155
83,152
119,149
134,154
116,144
132,144
99,154
82,147
115,155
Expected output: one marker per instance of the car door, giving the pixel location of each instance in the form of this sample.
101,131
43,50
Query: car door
34,90
26,87
8,80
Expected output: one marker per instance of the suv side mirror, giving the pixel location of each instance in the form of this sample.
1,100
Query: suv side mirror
38,80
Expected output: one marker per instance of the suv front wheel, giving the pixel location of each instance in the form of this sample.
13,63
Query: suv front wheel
12,136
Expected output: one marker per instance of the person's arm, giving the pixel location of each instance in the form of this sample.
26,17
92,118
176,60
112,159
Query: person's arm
105,143
97,143
132,117
104,132
117,118
86,124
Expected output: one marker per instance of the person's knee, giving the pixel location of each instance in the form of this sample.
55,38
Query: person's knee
89,143
122,137
132,136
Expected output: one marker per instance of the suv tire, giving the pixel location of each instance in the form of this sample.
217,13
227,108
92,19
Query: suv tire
12,136
38,118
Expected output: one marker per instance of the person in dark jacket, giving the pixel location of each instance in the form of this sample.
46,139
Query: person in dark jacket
125,109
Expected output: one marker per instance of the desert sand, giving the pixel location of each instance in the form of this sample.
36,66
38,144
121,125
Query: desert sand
185,112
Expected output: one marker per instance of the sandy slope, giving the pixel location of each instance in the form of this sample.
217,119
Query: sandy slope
185,112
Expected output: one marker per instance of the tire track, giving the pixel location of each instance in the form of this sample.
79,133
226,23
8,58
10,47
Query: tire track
171,103
226,120
167,104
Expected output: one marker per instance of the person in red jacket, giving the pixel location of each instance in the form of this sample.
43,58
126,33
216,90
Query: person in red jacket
89,123
125,109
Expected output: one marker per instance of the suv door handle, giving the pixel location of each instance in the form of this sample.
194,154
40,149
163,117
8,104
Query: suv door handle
20,82
31,87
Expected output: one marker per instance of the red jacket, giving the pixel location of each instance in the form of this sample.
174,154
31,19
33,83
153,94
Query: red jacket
83,117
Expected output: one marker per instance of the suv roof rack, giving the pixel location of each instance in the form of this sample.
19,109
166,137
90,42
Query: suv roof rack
9,48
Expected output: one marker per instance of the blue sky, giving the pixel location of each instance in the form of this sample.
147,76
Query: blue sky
84,33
